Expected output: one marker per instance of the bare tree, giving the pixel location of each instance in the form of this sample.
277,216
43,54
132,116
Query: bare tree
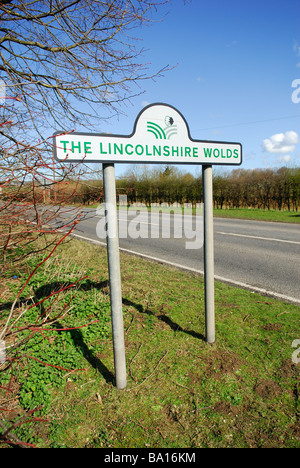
63,64
67,60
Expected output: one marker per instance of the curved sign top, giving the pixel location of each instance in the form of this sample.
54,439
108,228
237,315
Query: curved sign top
160,135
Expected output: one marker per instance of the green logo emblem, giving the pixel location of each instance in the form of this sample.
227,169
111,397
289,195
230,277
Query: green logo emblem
163,133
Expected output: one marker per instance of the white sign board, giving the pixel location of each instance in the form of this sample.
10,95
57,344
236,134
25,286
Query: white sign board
161,135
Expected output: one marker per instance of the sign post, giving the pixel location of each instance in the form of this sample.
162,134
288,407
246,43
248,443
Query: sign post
160,136
113,256
208,254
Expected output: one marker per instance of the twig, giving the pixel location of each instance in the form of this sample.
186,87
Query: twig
27,281
8,437
132,319
150,375
182,386
52,365
130,372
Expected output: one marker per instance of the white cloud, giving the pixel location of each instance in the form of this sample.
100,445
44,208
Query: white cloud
286,158
281,143
296,48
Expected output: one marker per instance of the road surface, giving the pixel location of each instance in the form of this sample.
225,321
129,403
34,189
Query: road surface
260,256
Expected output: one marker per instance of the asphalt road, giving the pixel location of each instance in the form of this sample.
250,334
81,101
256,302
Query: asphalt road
261,256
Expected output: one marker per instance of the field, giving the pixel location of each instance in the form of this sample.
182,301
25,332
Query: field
243,391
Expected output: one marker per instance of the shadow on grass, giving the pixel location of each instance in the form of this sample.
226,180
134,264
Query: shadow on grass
93,360
77,336
164,318
104,287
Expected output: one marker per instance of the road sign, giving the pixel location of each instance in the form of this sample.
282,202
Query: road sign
161,135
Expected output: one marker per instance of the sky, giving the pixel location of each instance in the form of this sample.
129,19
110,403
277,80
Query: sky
233,67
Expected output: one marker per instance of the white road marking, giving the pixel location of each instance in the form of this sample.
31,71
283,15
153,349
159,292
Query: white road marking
257,237
217,232
229,281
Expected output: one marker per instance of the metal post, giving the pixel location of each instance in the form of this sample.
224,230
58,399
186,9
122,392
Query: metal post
113,255
208,254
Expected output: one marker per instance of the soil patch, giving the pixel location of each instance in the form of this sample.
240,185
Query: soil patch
268,389
220,363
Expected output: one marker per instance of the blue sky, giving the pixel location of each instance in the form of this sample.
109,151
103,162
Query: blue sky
235,62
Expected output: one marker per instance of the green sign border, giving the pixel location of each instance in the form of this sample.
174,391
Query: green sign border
112,135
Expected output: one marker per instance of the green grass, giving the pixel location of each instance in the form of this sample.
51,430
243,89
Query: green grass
259,215
243,391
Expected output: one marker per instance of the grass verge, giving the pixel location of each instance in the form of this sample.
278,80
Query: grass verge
242,391
259,215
